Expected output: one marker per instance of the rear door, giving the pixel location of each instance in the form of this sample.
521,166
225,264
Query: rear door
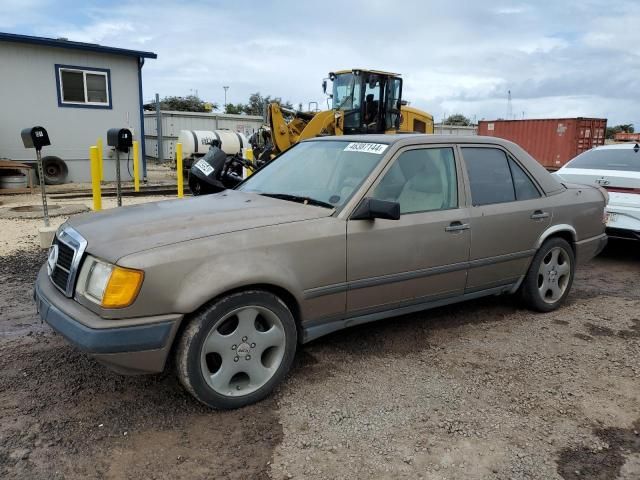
424,254
508,215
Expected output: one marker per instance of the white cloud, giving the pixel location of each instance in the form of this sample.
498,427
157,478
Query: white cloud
558,58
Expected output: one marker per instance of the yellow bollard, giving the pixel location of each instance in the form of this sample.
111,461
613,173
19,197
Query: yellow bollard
95,178
100,159
136,168
248,155
179,170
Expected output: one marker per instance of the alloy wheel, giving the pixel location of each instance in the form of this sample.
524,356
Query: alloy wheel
554,274
243,351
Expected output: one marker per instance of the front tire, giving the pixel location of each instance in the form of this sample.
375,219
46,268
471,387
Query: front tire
234,352
550,276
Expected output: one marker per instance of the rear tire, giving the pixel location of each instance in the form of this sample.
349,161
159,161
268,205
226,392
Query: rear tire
236,351
550,276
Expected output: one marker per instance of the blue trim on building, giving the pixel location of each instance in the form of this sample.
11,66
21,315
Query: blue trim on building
91,47
143,150
87,69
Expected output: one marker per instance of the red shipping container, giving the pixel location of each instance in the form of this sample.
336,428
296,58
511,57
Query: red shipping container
627,137
551,141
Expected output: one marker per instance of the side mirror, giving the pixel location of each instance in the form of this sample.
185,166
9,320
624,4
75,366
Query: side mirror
371,208
324,86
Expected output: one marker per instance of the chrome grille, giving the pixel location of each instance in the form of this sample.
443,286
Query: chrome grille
69,246
65,256
60,278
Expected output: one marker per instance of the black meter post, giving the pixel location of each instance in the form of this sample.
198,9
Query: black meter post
37,137
121,140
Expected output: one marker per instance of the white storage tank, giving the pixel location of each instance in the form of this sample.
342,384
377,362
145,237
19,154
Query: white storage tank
195,143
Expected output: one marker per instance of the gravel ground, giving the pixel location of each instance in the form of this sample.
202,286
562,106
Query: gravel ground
21,234
483,390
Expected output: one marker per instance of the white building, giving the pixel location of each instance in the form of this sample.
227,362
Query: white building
77,91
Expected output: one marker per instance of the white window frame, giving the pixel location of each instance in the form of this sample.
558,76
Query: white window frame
84,82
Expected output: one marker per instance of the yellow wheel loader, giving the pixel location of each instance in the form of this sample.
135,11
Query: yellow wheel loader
364,101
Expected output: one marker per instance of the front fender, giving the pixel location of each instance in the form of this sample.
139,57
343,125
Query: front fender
296,257
221,274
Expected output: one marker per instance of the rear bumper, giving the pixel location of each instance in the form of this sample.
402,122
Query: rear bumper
590,247
139,348
624,215
623,233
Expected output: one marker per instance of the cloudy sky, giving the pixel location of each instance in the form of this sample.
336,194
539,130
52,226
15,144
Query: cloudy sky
558,58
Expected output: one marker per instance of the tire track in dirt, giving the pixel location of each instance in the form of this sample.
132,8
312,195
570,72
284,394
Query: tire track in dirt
66,416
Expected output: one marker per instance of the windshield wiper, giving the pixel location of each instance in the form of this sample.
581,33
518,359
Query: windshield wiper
300,199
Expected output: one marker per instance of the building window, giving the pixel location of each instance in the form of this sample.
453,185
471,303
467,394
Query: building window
83,87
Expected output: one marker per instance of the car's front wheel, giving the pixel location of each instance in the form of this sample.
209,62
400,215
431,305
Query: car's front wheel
550,276
234,352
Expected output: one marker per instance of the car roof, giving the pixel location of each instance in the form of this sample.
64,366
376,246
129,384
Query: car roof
413,138
548,183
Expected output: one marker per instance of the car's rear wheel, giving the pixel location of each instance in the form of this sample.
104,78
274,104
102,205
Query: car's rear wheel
234,352
550,276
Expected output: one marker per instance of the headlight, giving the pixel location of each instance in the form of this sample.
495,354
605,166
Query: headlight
108,285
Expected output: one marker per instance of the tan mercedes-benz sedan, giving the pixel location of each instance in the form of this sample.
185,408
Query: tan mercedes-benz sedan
335,232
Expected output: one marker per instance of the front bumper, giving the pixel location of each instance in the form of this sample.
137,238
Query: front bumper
139,348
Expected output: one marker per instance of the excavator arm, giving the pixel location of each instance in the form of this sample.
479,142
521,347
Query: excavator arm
303,125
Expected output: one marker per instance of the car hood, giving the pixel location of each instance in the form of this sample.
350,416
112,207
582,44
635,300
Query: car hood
115,233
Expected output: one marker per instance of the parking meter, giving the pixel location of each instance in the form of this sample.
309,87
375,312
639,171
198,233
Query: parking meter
121,139
37,137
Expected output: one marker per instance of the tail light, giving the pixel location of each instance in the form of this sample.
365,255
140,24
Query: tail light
623,190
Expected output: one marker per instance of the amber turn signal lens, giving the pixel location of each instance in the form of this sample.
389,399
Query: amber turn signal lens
123,287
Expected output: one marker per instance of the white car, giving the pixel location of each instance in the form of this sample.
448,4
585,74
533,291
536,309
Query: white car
616,168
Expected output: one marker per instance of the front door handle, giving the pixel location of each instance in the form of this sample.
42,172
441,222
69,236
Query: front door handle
457,227
539,214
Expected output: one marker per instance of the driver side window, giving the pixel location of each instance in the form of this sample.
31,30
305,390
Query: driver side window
421,180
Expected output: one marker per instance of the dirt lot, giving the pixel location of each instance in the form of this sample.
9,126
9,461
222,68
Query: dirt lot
482,390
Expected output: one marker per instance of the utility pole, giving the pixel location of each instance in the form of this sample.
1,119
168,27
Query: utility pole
159,139
225,96
509,106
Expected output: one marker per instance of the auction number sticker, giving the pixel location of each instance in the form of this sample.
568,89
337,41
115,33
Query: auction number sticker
377,148
204,167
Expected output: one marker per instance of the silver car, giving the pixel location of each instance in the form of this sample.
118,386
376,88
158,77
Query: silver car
337,231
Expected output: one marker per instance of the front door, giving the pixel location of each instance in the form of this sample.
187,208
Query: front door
508,215
424,254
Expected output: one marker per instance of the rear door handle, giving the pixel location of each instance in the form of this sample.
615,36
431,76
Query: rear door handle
539,214
457,227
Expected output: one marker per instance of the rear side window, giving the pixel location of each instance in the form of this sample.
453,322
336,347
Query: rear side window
489,176
525,189
625,159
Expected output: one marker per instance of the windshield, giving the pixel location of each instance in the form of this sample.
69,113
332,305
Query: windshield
326,171
346,92
626,159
